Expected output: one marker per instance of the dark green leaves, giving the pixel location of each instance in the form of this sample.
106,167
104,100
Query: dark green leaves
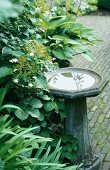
2,95
58,53
35,103
35,113
22,115
5,71
6,51
41,82
51,105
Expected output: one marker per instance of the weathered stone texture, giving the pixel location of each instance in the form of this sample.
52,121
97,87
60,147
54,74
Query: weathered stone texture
99,107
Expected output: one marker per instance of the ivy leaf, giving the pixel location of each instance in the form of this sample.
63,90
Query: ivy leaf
36,103
5,71
22,115
36,114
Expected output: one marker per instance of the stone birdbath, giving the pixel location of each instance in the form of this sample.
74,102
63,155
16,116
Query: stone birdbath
75,85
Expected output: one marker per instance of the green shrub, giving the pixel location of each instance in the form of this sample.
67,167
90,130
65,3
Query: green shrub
104,4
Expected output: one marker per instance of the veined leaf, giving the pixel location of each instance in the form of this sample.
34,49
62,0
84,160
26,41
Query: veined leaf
35,103
58,53
66,39
56,22
50,106
44,24
77,26
7,51
60,37
22,115
87,32
66,24
36,114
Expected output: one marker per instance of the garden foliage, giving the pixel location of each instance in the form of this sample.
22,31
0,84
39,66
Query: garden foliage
104,4
35,39
21,149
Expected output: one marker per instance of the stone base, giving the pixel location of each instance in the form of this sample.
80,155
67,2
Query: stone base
94,164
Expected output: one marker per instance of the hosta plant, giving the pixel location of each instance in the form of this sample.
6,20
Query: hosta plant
65,38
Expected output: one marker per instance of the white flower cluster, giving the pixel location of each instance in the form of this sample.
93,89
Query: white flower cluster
81,3
30,85
15,80
31,54
14,60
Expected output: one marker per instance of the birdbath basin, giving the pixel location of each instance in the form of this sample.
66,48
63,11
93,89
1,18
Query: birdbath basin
75,85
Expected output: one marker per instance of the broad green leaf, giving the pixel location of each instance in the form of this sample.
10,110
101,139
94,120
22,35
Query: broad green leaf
86,33
44,24
36,114
60,37
72,42
50,106
67,24
77,26
58,53
7,51
41,82
5,71
17,53
66,39
11,106
35,103
57,21
44,97
22,115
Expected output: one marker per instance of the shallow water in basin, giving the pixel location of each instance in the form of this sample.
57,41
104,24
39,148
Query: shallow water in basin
71,81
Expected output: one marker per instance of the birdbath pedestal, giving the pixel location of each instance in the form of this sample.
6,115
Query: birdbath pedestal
75,85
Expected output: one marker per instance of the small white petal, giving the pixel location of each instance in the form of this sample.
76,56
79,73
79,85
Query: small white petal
32,54
14,60
15,80
30,85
